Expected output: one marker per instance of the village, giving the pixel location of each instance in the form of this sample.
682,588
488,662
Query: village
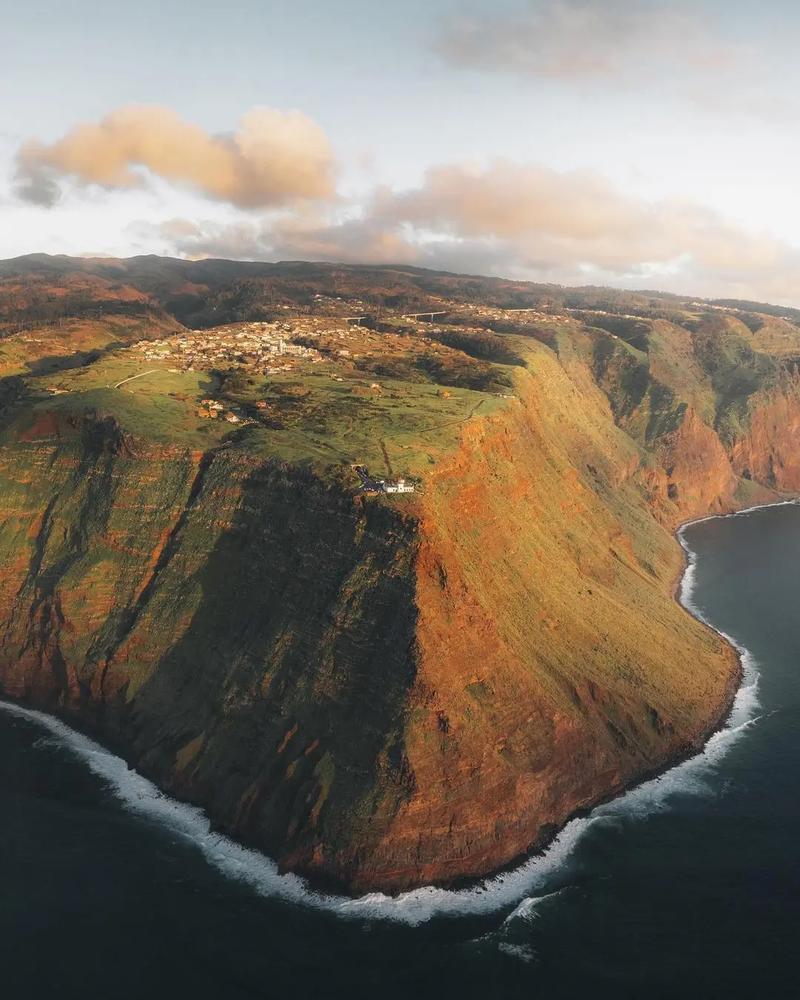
266,348
346,347
280,346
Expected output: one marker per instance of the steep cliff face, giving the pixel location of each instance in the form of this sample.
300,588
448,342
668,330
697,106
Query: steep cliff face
375,695
553,665
720,416
242,632
768,450
698,471
386,691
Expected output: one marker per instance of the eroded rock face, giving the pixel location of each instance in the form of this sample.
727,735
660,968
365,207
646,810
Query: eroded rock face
698,470
768,452
553,666
382,692
242,633
379,696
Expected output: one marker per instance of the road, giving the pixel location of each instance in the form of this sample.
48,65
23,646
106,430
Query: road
140,375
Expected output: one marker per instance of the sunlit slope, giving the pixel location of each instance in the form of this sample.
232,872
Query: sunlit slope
381,692
718,412
378,690
554,665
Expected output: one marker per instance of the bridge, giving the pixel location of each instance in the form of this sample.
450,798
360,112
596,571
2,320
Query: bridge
441,312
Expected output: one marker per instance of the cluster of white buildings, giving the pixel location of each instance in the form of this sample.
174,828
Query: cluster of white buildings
397,486
265,347
369,484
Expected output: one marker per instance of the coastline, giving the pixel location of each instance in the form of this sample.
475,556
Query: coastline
495,891
682,593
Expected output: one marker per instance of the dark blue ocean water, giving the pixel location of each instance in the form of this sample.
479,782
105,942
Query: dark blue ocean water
689,887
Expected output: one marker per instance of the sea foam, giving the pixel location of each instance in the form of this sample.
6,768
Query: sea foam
519,890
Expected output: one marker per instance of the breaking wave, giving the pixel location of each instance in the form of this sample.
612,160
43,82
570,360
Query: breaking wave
520,890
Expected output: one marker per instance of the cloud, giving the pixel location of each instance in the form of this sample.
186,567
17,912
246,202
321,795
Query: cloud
300,236
273,158
524,221
573,225
585,39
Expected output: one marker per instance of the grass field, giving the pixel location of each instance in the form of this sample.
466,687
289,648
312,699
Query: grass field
311,417
401,429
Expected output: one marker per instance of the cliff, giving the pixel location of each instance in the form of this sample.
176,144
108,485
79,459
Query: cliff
381,692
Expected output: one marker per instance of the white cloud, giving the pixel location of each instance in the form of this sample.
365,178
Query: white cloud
273,158
519,220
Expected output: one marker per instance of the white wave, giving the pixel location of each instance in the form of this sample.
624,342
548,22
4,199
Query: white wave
507,889
762,506
688,580
521,951
529,908
142,797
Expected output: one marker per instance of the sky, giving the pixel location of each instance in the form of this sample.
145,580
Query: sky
633,143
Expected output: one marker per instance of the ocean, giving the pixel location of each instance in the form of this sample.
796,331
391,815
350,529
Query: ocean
686,887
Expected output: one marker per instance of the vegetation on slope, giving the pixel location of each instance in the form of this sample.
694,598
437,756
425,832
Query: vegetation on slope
378,689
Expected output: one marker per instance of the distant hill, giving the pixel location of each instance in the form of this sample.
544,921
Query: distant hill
211,292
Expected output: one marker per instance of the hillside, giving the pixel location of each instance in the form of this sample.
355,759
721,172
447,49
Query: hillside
378,689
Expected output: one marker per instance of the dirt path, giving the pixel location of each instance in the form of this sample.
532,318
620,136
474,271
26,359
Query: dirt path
151,371
389,468
451,423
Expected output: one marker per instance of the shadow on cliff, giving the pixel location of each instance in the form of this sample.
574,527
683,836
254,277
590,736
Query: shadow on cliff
281,706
